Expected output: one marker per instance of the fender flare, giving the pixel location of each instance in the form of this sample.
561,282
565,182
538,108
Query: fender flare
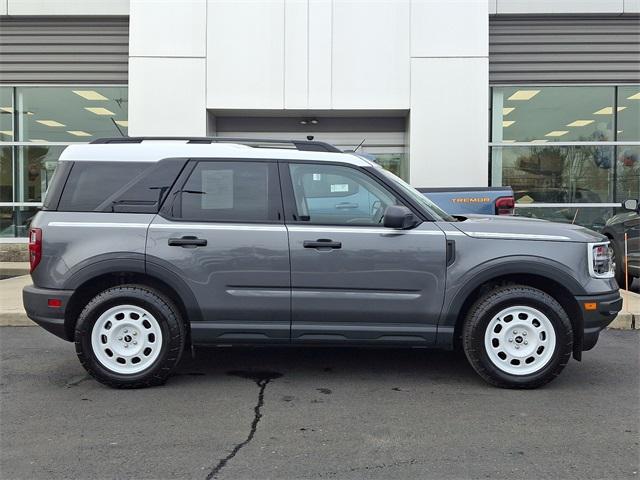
495,268
135,263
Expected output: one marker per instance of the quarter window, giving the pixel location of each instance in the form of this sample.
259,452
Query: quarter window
231,192
337,195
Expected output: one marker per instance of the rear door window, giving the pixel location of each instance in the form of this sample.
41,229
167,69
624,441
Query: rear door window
237,191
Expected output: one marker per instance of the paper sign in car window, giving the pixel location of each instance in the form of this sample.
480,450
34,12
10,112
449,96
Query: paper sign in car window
339,187
218,188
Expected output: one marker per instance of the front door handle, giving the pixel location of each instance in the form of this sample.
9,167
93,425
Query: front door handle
321,243
187,241
346,205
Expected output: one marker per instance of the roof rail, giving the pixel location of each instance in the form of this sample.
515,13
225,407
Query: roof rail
303,145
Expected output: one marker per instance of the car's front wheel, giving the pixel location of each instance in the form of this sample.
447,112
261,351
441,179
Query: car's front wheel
517,336
130,336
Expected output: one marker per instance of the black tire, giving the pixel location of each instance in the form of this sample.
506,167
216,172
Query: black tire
618,258
490,304
170,322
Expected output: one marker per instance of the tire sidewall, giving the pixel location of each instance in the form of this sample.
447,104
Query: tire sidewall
114,298
562,339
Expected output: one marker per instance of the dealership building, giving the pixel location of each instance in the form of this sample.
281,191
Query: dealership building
540,95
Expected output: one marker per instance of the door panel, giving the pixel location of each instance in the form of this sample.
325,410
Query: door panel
240,278
352,279
382,285
221,235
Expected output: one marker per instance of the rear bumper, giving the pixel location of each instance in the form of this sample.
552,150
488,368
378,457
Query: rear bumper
36,304
607,307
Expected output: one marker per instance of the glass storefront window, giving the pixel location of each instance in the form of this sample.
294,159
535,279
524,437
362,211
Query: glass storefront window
628,173
6,174
552,114
37,164
556,174
629,113
71,114
6,114
14,221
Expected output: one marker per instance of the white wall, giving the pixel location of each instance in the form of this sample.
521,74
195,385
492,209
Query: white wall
67,7
167,68
316,54
3,7
370,54
449,127
448,123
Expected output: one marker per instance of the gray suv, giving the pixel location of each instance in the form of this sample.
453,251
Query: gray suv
144,248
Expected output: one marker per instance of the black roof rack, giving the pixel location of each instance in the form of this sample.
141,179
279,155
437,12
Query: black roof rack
304,145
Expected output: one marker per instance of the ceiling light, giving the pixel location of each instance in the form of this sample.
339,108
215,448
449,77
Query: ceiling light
620,131
51,123
580,123
99,110
7,109
524,95
90,94
634,97
123,123
79,133
38,140
8,133
508,123
508,141
507,110
539,141
607,111
557,133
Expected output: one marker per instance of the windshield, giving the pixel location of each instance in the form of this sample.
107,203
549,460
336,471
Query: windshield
435,211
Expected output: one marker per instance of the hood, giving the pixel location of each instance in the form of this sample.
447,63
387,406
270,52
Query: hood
523,228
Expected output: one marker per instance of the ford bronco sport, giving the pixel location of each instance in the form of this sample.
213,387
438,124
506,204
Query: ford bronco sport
145,247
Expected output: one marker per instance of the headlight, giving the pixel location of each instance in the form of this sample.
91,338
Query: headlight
600,260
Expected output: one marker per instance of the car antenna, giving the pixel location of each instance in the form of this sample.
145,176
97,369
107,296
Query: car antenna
360,144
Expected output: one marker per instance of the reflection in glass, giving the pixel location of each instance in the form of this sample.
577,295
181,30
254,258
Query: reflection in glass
14,221
628,173
629,116
6,114
6,174
71,114
551,114
552,174
590,217
35,165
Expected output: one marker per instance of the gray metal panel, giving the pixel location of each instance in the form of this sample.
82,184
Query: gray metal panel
564,49
64,50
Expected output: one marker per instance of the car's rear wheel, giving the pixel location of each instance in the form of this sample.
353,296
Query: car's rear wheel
130,336
517,337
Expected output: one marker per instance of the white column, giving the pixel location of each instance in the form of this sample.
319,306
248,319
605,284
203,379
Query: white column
449,125
167,68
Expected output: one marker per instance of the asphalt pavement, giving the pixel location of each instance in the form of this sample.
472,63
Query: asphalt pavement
317,413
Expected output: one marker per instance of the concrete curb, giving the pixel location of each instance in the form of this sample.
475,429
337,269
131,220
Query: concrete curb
626,321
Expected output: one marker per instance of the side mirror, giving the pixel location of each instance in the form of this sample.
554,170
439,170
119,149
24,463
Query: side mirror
630,205
399,217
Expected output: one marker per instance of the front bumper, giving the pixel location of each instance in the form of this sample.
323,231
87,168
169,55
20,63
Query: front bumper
36,303
596,319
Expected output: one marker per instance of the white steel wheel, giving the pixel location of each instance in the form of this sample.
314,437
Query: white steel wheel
520,340
126,339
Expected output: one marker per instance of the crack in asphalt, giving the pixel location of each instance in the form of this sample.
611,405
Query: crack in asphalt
261,379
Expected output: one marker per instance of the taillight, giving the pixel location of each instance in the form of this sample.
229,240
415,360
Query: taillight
505,206
35,247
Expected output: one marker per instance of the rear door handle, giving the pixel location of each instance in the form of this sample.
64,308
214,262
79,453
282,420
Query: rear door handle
321,243
187,241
